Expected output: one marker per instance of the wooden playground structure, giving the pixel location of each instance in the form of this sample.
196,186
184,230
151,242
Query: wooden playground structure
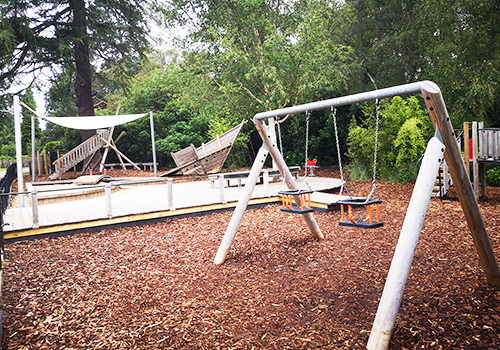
444,143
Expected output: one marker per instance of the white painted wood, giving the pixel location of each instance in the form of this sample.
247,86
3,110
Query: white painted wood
151,122
107,194
475,168
285,173
34,207
401,263
170,194
495,144
228,238
221,189
265,178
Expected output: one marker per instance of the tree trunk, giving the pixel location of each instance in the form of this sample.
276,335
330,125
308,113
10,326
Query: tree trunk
83,84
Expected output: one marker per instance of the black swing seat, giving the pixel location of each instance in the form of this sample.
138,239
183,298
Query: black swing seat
289,206
360,202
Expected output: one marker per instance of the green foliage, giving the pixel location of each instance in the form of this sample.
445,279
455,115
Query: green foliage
8,151
404,129
35,34
7,146
176,124
493,176
261,55
26,136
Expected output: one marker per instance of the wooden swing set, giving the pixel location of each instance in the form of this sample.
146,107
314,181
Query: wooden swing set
443,144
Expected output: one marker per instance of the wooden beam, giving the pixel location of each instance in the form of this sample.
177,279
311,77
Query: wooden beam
438,113
132,218
466,147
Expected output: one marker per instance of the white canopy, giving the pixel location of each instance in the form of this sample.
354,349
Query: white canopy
97,122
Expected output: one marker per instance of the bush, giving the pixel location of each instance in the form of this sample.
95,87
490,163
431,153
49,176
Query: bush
493,176
404,129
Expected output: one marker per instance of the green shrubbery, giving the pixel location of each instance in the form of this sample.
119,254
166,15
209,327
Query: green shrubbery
404,129
493,176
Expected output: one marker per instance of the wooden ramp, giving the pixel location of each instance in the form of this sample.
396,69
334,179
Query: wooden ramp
206,159
139,202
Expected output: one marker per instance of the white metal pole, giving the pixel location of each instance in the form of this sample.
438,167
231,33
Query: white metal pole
153,142
405,249
33,165
241,206
19,150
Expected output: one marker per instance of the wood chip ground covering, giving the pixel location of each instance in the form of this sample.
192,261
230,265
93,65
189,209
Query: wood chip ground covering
155,286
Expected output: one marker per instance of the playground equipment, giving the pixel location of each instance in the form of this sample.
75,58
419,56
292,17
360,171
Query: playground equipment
208,158
88,149
367,202
443,143
289,197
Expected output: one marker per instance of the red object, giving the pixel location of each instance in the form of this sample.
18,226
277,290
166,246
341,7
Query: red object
90,171
105,171
470,149
311,162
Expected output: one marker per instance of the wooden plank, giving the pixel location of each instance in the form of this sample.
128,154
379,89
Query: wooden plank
132,218
135,200
438,113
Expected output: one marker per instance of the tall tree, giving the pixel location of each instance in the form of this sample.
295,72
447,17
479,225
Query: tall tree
37,34
258,53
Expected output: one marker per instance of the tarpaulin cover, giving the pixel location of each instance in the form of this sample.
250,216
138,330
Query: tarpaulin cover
97,122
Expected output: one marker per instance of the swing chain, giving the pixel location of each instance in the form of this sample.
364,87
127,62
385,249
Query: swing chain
278,121
308,116
377,119
334,114
281,149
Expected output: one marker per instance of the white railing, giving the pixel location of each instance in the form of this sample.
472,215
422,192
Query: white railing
79,153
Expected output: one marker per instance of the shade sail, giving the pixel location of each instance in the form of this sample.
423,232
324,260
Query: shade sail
97,122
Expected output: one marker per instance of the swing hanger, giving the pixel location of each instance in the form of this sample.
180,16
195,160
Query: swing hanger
289,203
368,221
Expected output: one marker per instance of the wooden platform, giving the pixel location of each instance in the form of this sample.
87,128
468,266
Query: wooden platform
131,203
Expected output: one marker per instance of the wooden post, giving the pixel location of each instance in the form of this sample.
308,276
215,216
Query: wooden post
286,174
228,238
221,189
405,249
38,163
466,147
475,177
107,194
482,178
170,194
446,179
438,113
34,208
265,176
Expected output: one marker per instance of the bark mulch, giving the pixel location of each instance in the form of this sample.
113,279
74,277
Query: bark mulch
155,286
